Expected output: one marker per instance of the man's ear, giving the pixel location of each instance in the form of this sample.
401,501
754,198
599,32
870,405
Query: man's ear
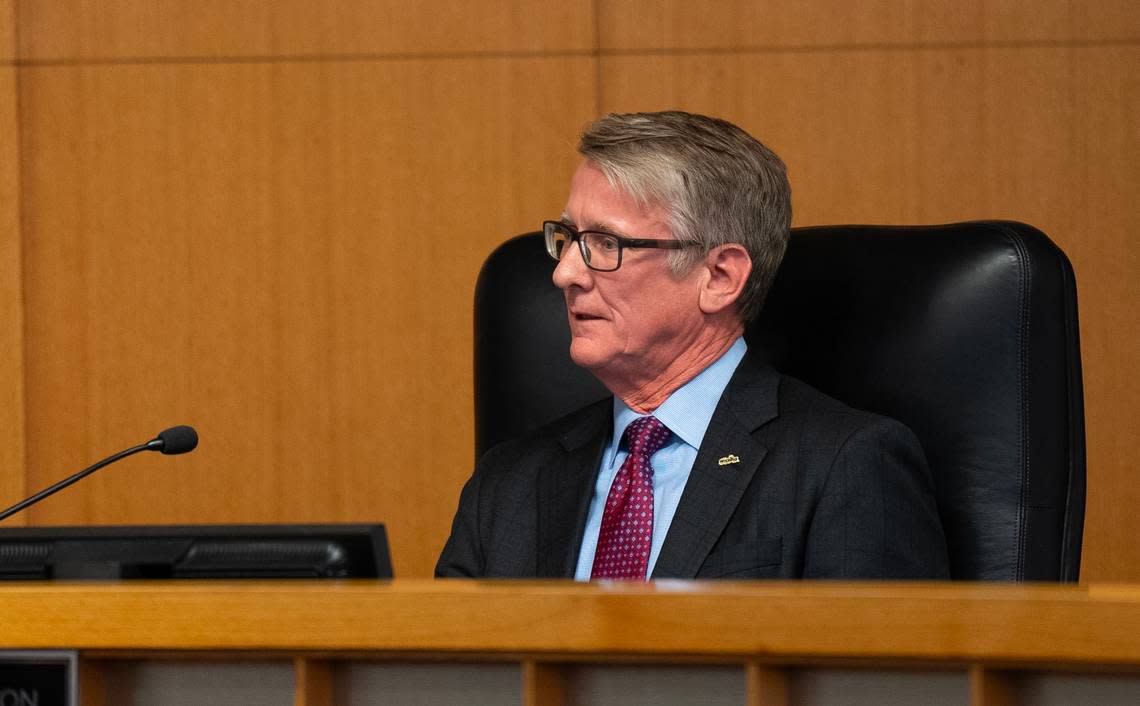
727,268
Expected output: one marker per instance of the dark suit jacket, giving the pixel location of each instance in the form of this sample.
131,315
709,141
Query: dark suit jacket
821,491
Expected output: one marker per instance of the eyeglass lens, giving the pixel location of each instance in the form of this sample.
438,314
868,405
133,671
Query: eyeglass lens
599,251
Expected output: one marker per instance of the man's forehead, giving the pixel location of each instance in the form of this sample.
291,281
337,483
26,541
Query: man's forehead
596,203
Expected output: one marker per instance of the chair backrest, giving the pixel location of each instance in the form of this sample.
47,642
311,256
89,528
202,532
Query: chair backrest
967,333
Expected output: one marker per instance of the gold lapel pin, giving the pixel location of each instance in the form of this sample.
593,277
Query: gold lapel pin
729,460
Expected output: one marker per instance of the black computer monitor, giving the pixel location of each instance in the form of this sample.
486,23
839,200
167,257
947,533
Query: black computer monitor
195,551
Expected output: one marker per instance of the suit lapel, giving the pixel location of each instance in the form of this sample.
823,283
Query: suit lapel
565,487
717,480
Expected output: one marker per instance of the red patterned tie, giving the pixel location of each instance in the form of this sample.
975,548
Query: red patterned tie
627,522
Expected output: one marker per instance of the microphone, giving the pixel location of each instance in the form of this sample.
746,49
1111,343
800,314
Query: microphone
175,440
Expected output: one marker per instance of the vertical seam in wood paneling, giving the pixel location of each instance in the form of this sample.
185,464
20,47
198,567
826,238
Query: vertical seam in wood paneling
21,379
597,54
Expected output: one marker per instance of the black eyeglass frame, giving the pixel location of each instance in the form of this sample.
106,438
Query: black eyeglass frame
550,227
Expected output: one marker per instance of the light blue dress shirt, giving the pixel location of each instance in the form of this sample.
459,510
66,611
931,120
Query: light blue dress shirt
686,413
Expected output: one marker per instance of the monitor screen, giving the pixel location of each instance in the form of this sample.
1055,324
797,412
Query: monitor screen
195,551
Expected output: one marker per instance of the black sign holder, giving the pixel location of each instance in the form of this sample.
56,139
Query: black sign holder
39,677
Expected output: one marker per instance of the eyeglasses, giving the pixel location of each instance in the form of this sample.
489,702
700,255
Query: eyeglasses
600,251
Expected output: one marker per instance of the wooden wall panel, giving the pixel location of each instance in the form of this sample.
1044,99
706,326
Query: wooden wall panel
284,255
824,24
7,30
12,486
118,29
1043,135
1106,254
208,229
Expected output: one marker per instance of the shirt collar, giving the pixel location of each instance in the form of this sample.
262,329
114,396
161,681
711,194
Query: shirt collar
688,411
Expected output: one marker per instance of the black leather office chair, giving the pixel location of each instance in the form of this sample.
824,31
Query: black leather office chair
967,333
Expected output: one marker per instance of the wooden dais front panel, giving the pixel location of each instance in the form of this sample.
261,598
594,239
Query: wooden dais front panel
548,642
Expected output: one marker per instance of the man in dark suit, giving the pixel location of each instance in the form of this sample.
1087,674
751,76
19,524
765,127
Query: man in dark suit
705,463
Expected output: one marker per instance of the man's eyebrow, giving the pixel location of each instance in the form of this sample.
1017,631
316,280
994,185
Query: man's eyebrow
593,226
603,227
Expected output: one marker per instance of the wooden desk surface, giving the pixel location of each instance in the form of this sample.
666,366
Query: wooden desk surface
992,623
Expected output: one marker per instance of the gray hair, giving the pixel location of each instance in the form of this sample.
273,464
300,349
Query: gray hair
719,184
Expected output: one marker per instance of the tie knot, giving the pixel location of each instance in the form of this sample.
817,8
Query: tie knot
646,435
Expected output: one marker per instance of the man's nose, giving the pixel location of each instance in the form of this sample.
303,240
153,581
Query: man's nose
571,269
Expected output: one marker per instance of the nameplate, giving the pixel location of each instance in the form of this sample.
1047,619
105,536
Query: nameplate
38,678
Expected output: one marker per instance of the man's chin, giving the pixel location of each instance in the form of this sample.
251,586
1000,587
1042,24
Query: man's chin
587,354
